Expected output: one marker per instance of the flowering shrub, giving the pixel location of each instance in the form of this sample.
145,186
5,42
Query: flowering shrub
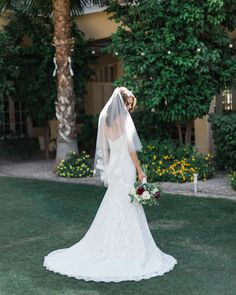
75,166
165,161
232,177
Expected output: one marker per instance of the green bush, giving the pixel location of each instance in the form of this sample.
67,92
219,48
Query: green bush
87,136
165,161
149,126
146,122
224,134
75,166
24,147
232,177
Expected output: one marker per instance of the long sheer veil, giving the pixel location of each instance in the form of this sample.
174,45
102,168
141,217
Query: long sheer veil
114,122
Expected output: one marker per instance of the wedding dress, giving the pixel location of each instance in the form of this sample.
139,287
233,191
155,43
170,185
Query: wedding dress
118,246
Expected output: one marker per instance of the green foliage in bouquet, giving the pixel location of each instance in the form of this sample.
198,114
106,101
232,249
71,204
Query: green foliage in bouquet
75,166
232,177
165,161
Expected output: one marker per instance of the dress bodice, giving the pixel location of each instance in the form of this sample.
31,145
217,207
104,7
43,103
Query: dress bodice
121,168
117,145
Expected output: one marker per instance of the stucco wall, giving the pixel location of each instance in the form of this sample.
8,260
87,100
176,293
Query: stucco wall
96,25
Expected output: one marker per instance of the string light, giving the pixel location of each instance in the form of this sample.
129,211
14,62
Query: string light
168,52
93,52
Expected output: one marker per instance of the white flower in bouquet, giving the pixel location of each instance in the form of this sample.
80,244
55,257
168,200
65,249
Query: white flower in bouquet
133,191
146,195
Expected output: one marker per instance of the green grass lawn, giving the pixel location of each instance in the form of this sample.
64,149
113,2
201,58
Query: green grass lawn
37,217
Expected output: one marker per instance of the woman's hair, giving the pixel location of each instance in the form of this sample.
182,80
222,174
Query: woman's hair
125,93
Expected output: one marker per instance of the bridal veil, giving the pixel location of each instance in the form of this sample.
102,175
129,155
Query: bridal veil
114,122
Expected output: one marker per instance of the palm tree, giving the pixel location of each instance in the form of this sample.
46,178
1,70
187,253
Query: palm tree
62,12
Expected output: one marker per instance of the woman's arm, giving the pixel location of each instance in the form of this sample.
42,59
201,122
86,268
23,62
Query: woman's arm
134,157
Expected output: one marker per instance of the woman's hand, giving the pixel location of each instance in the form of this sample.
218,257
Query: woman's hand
141,175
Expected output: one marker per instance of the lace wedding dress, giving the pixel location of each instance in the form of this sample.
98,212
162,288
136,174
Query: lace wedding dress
118,246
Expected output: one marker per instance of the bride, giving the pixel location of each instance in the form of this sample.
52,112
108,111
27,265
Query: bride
118,246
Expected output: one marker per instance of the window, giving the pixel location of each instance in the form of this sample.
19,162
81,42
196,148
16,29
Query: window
226,101
12,119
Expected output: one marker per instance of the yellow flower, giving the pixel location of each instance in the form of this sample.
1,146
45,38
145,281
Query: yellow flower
154,157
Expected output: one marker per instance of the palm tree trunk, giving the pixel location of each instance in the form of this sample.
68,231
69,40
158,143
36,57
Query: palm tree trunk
65,105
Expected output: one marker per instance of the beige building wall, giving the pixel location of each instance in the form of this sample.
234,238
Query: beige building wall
96,25
203,133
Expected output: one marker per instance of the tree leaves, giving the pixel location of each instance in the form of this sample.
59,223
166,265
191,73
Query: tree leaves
175,54
26,71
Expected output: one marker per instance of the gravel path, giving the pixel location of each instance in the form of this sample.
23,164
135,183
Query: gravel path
217,187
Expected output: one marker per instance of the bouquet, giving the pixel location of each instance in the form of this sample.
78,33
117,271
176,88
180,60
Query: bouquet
145,193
